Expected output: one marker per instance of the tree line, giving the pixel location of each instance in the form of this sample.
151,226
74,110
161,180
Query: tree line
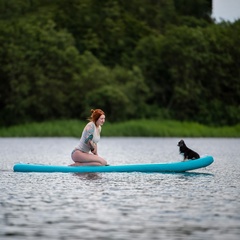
134,59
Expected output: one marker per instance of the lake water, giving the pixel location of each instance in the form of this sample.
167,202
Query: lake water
201,204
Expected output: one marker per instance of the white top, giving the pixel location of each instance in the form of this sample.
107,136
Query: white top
90,129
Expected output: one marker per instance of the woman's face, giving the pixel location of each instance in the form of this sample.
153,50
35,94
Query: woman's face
101,120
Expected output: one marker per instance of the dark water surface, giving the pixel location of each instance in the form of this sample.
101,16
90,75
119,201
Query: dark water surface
201,204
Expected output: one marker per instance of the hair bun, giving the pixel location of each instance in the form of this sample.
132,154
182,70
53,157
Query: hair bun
96,113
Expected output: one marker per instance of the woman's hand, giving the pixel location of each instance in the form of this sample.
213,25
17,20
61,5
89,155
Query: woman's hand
94,151
93,147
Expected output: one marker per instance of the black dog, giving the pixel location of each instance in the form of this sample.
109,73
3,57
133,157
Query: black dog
187,152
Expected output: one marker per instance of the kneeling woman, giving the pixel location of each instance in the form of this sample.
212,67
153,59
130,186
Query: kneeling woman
85,154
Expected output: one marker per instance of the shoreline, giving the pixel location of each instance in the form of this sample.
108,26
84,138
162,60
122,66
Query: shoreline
133,128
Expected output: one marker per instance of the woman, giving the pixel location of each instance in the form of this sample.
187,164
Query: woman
85,154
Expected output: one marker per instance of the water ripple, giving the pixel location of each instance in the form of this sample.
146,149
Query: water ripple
194,205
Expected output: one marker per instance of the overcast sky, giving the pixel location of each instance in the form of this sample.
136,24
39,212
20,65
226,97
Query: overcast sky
228,10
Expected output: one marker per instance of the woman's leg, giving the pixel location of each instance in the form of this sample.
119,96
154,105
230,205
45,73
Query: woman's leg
87,159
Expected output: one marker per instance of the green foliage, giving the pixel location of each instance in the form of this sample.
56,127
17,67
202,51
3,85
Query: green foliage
126,90
134,59
188,69
197,8
109,98
36,60
136,128
103,27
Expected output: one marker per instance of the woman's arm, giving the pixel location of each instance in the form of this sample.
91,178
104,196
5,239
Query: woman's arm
90,142
93,147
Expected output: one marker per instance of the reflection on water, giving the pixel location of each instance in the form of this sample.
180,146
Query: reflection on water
88,176
194,205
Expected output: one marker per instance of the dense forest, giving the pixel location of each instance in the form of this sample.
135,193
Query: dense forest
152,59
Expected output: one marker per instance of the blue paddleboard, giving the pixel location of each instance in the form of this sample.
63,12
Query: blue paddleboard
204,161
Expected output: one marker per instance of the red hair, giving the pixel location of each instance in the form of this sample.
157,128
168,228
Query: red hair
96,114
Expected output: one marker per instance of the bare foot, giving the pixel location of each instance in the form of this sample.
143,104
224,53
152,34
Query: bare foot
75,164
